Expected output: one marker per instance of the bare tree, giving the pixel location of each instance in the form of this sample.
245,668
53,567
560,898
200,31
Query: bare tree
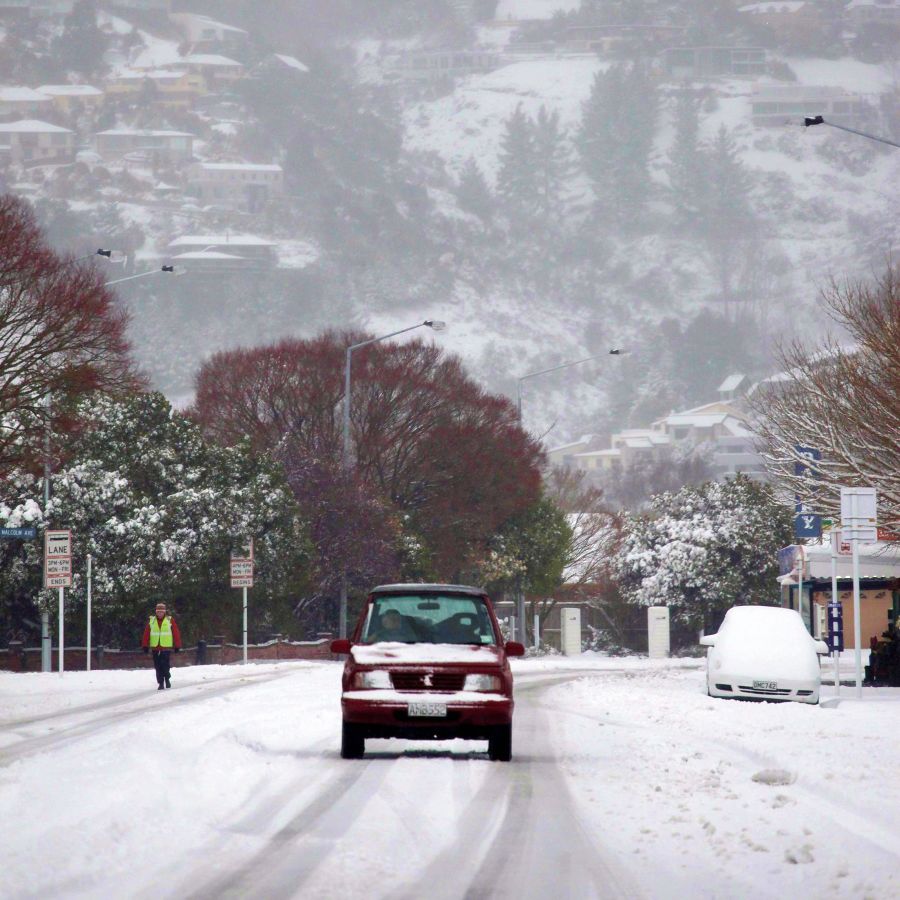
61,335
843,401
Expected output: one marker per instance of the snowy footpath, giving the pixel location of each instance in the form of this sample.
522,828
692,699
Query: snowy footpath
626,781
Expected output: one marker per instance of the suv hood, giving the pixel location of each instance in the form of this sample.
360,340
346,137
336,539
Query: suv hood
390,653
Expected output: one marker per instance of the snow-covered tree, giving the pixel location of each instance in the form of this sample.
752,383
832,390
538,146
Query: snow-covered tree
159,509
553,165
687,167
473,192
516,176
702,550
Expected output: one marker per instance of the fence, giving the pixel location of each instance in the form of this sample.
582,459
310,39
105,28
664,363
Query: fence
17,658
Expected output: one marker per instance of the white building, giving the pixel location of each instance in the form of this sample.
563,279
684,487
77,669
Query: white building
18,102
158,147
30,142
223,253
244,186
205,33
873,12
69,97
778,104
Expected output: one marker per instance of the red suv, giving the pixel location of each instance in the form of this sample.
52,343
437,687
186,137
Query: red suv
427,662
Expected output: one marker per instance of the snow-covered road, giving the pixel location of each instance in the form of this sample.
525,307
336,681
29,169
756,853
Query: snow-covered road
626,781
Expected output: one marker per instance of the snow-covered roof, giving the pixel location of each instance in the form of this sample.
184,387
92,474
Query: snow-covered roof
736,428
152,74
584,439
731,383
209,59
206,254
291,62
18,94
207,21
773,6
239,167
799,93
32,126
697,420
219,240
70,90
608,452
138,132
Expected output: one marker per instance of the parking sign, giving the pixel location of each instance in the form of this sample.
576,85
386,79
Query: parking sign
58,558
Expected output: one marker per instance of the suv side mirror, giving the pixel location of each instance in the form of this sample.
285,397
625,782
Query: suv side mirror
708,640
341,645
514,648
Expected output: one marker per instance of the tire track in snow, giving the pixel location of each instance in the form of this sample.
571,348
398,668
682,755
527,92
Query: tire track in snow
299,847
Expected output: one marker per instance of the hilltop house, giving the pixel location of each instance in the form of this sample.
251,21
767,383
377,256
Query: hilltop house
159,147
216,254
244,186
861,13
776,104
164,88
205,34
217,71
435,65
713,62
69,98
30,142
21,102
787,18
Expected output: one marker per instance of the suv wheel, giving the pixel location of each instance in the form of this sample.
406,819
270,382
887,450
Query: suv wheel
353,744
500,743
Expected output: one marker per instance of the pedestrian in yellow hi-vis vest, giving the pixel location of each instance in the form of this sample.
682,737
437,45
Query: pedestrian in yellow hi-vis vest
162,637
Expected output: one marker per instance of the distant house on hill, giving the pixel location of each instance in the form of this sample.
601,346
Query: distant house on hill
164,88
775,104
218,71
606,38
160,147
217,254
713,62
162,6
205,34
18,102
436,65
245,186
36,9
30,142
860,13
792,18
564,454
67,98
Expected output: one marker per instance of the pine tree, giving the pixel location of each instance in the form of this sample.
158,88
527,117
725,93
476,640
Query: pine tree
553,166
687,168
616,138
473,192
516,180
82,44
727,215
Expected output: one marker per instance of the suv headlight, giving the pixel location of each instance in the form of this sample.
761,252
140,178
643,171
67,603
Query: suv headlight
489,683
373,680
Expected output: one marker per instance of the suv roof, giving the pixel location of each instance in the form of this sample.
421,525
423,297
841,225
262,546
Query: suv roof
428,588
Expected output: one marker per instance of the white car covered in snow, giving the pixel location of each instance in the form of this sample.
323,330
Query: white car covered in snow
763,653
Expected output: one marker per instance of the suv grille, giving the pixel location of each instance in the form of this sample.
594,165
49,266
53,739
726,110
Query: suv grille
780,692
428,681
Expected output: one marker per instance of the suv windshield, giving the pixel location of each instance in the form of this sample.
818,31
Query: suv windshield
428,619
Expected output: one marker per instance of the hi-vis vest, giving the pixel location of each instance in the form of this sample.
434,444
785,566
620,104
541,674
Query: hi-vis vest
161,632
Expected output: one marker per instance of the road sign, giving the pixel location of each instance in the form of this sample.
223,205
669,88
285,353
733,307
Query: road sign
25,534
241,571
245,551
58,558
804,467
807,525
884,535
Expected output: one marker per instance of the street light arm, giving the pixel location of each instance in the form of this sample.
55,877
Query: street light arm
384,337
568,364
820,120
168,269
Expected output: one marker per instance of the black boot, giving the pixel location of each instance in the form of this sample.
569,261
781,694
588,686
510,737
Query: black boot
159,688
168,683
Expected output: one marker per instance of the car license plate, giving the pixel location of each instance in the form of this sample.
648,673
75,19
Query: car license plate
432,710
765,685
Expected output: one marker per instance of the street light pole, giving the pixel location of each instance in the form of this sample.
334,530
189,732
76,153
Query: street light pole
345,456
819,120
520,595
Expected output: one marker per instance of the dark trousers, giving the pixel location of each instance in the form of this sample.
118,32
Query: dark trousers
161,664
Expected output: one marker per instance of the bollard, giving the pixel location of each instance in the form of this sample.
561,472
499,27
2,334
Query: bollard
201,653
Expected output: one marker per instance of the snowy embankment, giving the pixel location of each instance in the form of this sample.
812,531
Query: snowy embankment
723,798
233,778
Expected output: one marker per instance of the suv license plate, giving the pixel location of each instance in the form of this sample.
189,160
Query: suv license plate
765,685
433,710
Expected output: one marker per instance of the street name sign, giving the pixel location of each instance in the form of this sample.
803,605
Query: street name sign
25,534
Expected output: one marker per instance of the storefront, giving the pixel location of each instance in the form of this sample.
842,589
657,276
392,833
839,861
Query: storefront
879,580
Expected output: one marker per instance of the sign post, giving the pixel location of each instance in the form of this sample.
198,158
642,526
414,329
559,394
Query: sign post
89,612
58,574
242,577
859,522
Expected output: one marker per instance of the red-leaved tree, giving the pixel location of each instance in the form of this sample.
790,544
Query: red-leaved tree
61,336
449,458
